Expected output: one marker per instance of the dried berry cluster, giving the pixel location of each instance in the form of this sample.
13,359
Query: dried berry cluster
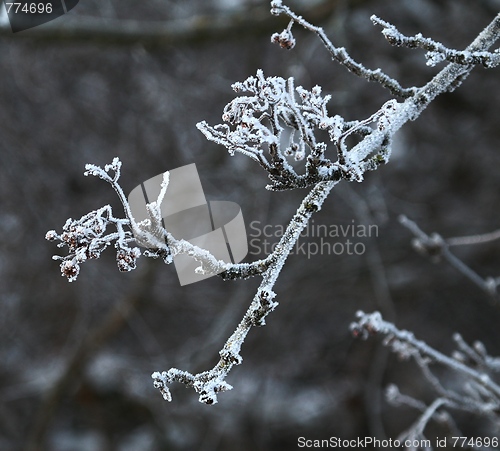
86,238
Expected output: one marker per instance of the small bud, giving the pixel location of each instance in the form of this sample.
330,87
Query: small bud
299,155
285,39
459,356
70,269
51,235
480,348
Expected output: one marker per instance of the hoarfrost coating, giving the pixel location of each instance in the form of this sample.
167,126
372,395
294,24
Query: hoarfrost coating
253,126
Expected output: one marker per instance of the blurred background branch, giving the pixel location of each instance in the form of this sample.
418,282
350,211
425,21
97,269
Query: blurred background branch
197,29
94,342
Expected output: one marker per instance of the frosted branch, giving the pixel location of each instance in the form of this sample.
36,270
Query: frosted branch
406,345
254,125
480,394
338,54
474,239
259,120
431,412
86,238
209,383
437,52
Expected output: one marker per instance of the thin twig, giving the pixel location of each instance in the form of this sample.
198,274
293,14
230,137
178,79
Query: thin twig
437,247
474,239
340,55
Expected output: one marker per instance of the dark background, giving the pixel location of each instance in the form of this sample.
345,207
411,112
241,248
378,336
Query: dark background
76,358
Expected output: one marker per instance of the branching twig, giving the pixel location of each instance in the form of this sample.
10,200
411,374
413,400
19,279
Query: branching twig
339,54
256,125
211,382
437,52
481,394
436,247
405,344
